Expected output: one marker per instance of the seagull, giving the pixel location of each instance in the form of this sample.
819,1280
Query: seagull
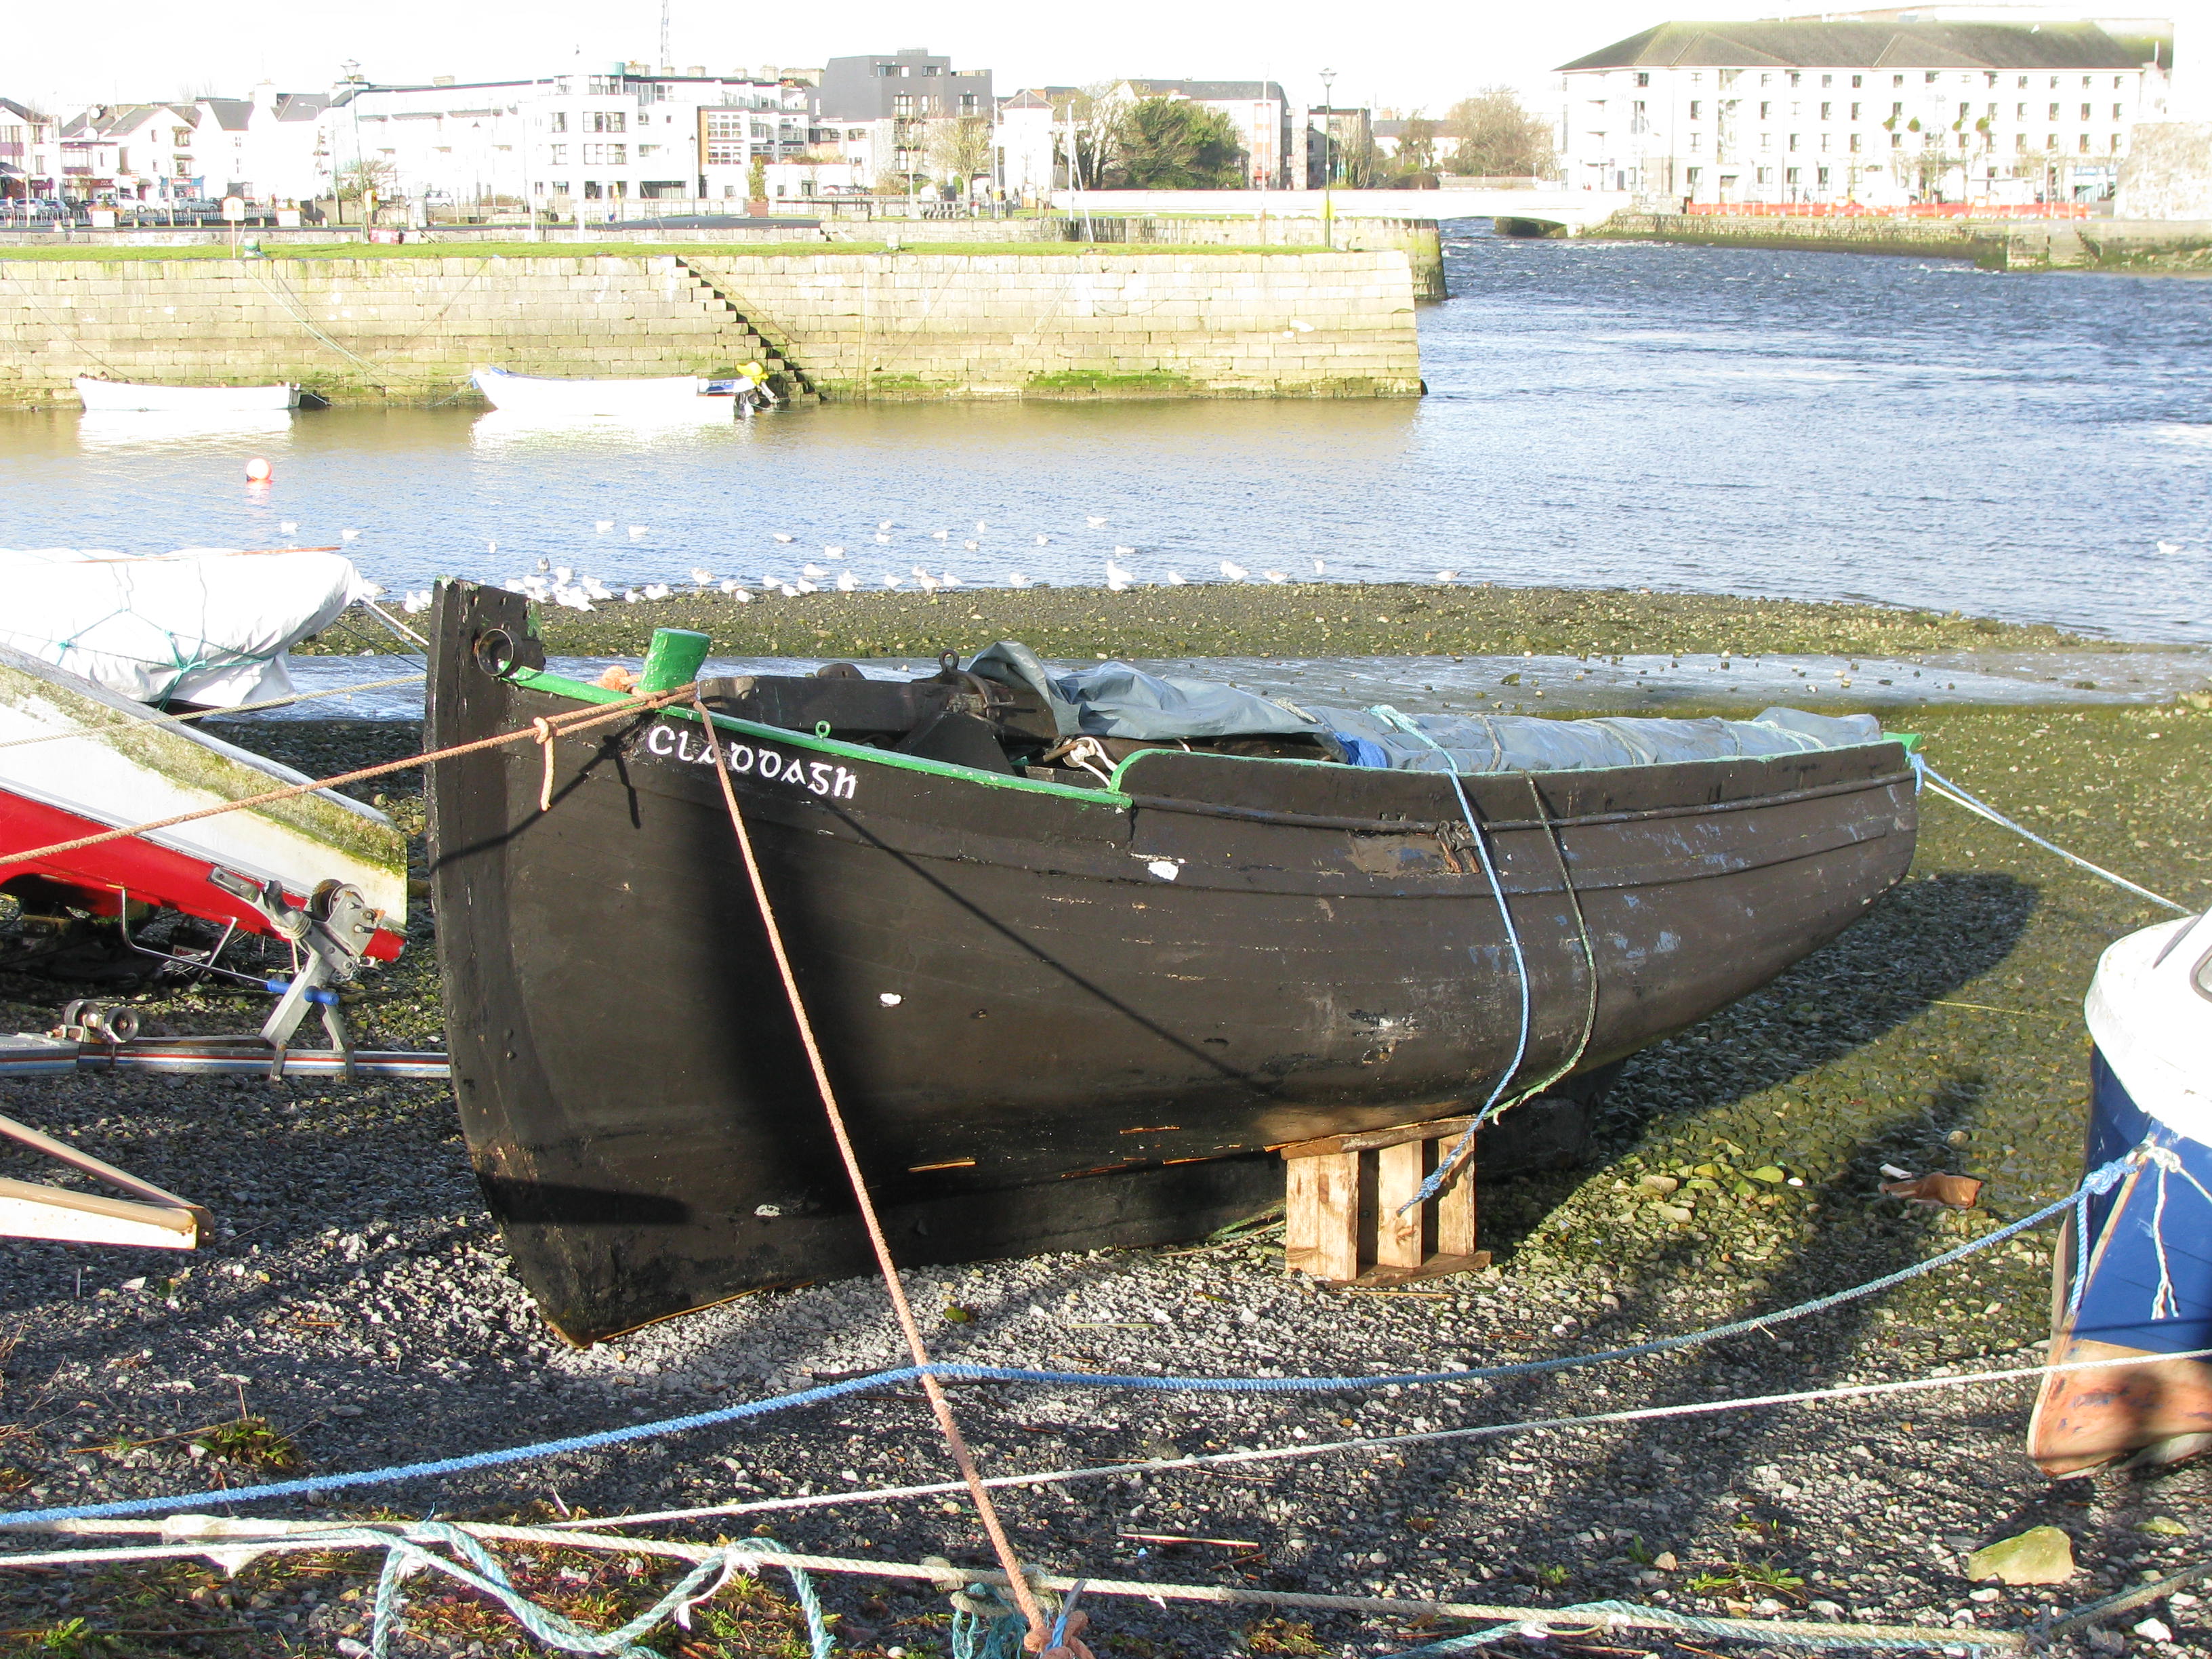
1276,575
631,596
971,545
812,570
927,583
833,552
781,537
635,530
1236,572
1125,552
741,596
1096,524
846,581
603,526
730,584
1117,579
939,535
881,537
950,580
1044,541
801,587
656,590
563,574
1319,568
885,524
347,535
1015,579
1174,579
543,564
1447,575
573,597
980,526
2167,548
416,604
596,588
290,526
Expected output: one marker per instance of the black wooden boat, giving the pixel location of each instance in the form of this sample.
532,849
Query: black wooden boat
1059,1016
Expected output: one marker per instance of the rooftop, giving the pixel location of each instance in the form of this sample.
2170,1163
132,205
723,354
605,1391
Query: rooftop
1789,45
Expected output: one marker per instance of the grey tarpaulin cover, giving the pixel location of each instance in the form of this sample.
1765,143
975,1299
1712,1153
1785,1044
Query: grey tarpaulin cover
1113,699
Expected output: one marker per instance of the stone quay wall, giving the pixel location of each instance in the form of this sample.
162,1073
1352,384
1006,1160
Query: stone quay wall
2140,246
853,325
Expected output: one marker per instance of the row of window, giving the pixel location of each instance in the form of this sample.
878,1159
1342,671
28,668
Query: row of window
903,103
2084,144
1928,77
1896,111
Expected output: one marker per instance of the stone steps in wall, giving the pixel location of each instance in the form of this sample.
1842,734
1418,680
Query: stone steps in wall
797,382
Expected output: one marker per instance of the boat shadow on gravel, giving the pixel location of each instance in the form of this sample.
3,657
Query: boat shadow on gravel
1921,943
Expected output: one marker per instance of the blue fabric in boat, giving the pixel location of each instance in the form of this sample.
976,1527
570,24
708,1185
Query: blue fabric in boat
1113,699
2126,1232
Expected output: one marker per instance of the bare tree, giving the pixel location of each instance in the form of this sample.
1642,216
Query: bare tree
1417,144
960,149
1494,135
1096,115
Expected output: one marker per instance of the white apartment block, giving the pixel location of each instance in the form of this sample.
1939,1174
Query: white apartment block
1877,112
567,141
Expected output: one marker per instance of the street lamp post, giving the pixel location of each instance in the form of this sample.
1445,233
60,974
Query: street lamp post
1328,157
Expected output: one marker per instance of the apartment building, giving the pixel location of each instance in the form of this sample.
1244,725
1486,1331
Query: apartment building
30,159
1876,110
877,112
624,133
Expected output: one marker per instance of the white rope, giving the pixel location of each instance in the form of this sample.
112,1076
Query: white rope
1284,1454
1951,792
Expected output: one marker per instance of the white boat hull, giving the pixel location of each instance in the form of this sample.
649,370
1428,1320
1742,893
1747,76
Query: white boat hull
103,761
112,397
660,397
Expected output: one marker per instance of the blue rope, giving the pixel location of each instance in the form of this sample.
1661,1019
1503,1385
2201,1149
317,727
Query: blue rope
986,1626
2099,1180
1449,1161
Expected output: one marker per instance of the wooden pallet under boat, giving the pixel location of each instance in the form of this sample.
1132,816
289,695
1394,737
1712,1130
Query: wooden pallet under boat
1058,1018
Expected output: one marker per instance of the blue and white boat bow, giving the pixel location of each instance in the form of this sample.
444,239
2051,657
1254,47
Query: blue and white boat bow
2134,1276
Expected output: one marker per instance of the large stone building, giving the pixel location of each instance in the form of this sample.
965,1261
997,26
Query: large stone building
1875,110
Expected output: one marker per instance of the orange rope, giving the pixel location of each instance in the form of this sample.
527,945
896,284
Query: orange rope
1040,1635
560,723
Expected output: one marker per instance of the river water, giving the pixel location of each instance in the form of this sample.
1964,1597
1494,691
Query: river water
1815,426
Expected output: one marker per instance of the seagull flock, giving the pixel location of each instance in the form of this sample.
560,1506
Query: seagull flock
562,585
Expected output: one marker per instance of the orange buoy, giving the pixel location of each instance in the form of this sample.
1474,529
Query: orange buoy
259,471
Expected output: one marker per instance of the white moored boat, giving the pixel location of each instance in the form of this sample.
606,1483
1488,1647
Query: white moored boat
536,394
112,397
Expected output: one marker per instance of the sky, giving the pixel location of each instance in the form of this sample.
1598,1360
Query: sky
1415,53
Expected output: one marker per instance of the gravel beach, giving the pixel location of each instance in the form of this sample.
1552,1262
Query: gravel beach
358,1308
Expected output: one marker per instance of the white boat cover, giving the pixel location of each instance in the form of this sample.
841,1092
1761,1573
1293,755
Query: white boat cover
2149,1009
206,625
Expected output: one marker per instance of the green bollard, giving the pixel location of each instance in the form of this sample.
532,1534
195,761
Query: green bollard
673,659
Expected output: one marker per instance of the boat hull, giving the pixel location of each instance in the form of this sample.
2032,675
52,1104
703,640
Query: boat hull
122,396
77,759
663,396
2149,1232
1056,1018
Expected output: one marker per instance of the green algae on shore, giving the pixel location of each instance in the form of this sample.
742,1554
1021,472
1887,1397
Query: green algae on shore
1288,619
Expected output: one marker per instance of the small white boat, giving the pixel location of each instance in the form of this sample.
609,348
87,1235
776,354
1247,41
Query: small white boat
208,626
537,394
112,397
